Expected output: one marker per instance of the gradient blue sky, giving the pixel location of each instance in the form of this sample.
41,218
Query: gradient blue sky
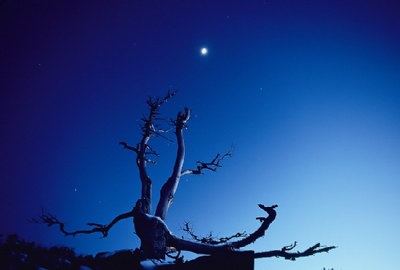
307,92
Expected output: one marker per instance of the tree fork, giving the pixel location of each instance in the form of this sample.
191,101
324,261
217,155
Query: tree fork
156,238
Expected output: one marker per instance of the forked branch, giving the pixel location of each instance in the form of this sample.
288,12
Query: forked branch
143,150
50,220
210,239
213,165
283,253
206,248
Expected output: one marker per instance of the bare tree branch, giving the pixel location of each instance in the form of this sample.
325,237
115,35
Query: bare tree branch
213,165
151,151
126,146
205,248
317,248
261,230
143,149
210,239
289,247
50,220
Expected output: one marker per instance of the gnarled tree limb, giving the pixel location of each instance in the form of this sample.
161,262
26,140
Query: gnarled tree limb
261,230
213,165
50,220
317,248
202,248
210,239
205,248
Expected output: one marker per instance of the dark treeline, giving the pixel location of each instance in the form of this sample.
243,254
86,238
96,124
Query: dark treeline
16,253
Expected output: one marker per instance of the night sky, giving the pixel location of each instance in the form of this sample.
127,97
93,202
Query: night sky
306,92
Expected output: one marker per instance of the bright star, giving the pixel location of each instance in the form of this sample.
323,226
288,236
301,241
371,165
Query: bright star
204,51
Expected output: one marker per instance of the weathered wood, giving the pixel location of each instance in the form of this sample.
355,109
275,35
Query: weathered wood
155,237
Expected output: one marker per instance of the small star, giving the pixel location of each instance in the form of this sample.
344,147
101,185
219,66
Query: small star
75,189
204,51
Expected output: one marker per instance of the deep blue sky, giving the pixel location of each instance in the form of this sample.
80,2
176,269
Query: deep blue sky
307,92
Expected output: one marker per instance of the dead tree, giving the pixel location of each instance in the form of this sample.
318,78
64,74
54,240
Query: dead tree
157,241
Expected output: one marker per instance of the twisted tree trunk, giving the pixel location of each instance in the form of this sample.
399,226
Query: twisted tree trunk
156,238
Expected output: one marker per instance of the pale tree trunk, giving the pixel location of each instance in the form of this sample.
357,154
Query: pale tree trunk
168,190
